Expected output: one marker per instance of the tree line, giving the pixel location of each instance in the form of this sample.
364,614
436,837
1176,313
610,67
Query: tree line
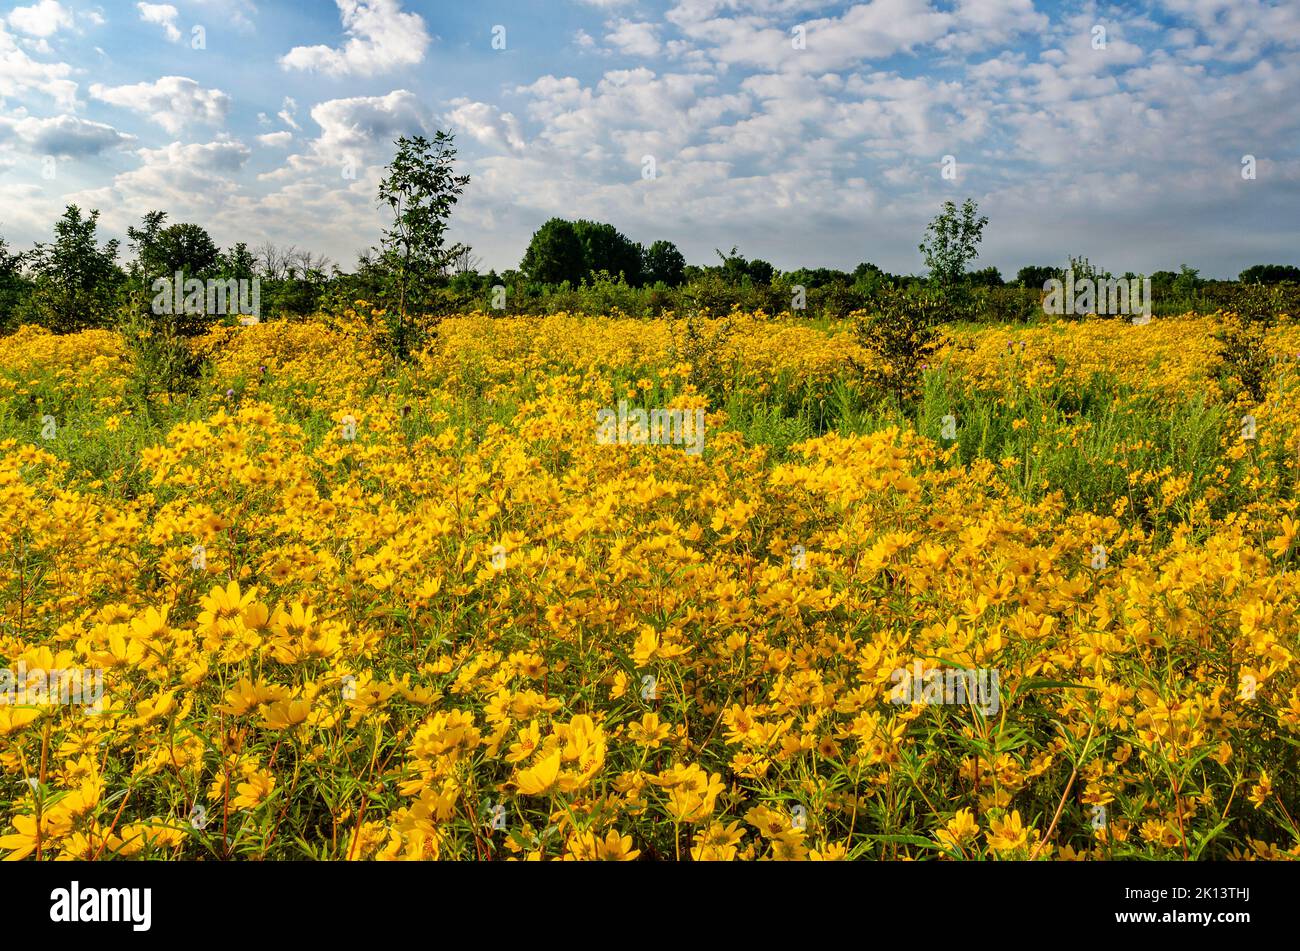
76,280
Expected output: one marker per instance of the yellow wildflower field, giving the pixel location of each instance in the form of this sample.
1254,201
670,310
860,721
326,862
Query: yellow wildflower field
338,609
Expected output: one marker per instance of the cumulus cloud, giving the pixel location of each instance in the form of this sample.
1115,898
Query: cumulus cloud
164,15
172,101
633,39
381,37
288,111
41,19
486,124
21,75
355,134
65,136
200,178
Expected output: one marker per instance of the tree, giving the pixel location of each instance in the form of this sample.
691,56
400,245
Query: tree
1037,275
555,254
1187,282
952,241
605,248
421,189
986,277
13,286
273,262
737,271
1162,282
760,272
1270,274
239,262
160,252
663,263
901,337
75,278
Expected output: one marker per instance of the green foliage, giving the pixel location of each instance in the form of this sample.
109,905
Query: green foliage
902,336
1242,336
986,277
162,252
1188,281
555,254
162,360
605,248
739,271
420,190
75,279
702,344
238,262
14,288
1035,276
952,241
664,264
1270,274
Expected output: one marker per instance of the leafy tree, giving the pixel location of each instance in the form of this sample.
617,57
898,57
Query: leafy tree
868,273
238,262
952,241
737,271
13,286
663,263
760,272
1037,275
1187,282
986,277
605,248
1270,274
1162,282
814,277
902,337
1243,339
421,189
161,252
555,254
76,279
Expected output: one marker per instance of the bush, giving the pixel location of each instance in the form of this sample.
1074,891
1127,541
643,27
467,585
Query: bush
901,337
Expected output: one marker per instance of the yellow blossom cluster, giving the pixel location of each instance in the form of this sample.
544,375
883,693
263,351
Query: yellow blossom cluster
350,610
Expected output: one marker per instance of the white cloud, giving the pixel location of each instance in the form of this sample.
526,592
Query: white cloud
380,37
21,75
41,19
288,110
164,15
196,179
366,123
355,132
865,31
65,136
486,124
173,101
276,140
633,39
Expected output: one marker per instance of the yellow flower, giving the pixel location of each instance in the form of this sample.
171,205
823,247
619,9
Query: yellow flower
961,828
257,787
1007,833
540,779
648,731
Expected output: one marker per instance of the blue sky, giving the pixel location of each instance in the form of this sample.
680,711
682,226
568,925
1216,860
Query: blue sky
1113,131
